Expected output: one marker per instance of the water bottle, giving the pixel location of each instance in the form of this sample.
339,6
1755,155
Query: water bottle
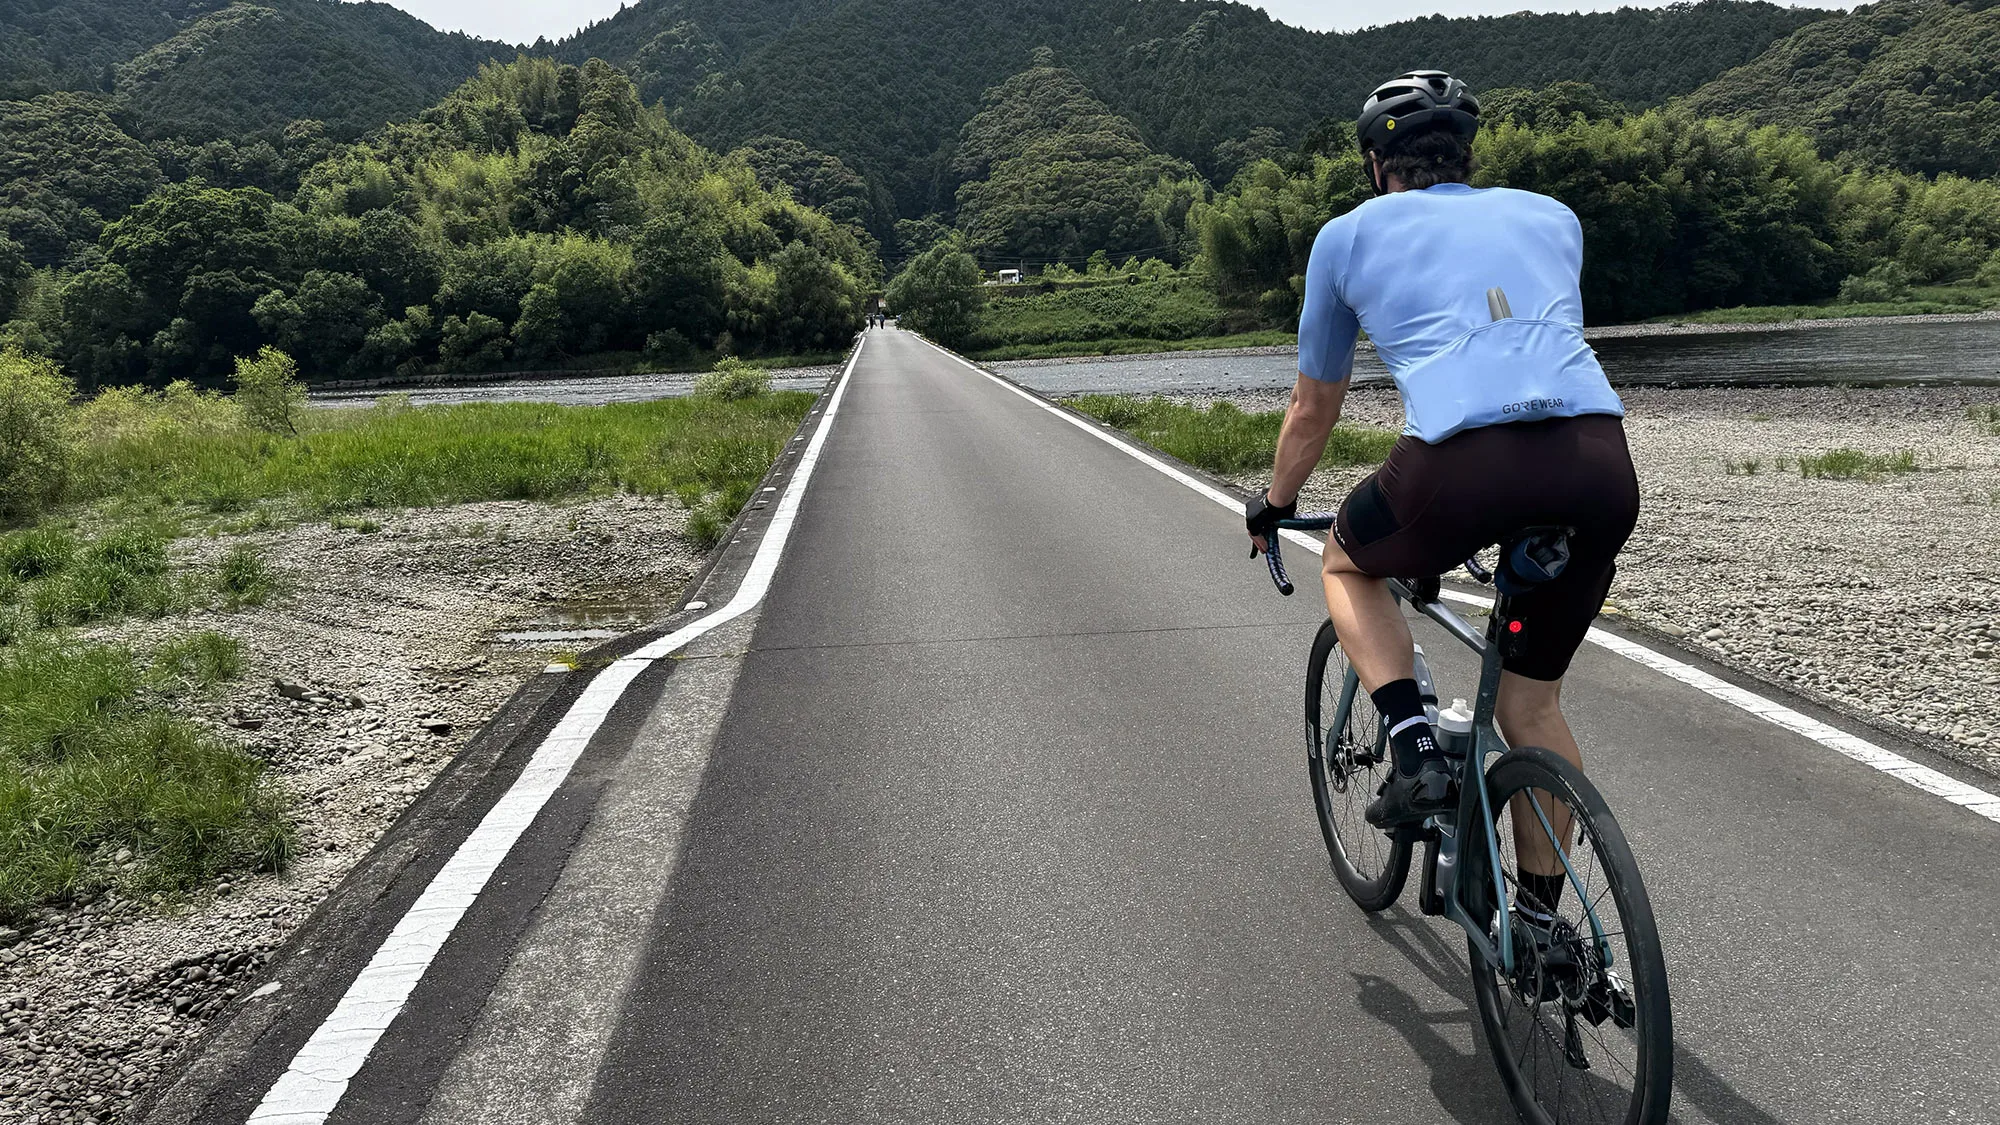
1454,731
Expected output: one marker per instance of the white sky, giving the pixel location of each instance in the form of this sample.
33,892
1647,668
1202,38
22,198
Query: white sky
522,21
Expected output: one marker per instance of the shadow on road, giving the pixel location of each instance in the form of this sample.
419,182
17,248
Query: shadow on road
1465,1083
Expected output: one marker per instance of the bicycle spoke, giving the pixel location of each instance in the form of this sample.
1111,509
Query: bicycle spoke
1571,1017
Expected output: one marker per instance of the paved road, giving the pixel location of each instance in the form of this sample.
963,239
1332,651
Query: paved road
995,811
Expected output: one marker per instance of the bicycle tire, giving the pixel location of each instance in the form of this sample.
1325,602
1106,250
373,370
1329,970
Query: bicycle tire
1372,866
1521,1030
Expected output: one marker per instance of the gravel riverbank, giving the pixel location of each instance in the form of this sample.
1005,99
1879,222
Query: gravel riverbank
359,686
1879,594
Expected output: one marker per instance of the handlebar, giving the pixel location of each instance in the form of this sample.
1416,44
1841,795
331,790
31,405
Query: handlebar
1321,522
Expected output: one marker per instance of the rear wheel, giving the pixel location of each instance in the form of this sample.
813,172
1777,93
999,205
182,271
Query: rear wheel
1348,756
1581,1029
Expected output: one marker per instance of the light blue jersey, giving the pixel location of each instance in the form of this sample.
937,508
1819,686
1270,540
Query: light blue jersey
1413,269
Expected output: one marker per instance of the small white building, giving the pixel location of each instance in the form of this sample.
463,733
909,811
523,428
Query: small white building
1010,277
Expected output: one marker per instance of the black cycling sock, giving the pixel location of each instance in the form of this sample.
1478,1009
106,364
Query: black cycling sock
1398,701
1411,739
1546,890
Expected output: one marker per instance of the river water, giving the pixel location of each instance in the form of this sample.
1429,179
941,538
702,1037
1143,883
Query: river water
1880,352
1885,352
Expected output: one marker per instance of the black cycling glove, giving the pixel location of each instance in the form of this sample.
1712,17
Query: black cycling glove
1261,516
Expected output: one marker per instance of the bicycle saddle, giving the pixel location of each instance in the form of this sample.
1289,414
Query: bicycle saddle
1530,558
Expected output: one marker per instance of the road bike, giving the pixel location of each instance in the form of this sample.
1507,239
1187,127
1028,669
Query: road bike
1572,994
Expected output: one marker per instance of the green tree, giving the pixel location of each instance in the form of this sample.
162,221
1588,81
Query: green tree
66,167
1550,107
581,301
1256,237
817,179
678,262
938,294
402,345
14,273
35,440
1057,174
819,304
471,344
324,321
1906,83
270,392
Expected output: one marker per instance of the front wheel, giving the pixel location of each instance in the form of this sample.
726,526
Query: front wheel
1348,757
1581,1029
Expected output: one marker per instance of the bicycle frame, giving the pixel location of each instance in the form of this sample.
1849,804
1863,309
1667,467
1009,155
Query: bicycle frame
1487,741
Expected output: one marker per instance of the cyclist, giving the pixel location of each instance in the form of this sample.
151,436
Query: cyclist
1510,423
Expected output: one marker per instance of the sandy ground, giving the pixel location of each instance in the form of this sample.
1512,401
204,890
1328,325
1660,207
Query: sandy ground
1880,595
389,637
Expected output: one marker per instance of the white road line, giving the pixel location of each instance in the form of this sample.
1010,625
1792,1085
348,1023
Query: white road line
1861,750
317,1079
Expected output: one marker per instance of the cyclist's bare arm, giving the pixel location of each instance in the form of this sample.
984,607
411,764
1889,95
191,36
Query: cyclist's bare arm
1315,408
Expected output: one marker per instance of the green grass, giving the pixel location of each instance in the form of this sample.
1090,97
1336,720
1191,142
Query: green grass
59,580
1847,464
1263,338
243,579
346,461
1222,438
50,579
1173,309
1986,414
93,764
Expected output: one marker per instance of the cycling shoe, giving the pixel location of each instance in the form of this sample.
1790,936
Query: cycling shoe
1409,798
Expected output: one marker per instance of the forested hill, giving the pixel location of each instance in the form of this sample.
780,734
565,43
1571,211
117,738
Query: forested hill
1909,83
74,44
886,84
201,69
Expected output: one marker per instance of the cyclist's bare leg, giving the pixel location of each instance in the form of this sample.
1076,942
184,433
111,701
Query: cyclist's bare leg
1368,622
1530,714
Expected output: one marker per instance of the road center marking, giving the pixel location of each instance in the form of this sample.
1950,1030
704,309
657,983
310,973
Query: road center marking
1887,761
318,1076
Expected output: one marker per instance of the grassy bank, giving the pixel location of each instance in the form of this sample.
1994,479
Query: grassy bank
104,781
1923,300
1132,345
1222,438
707,452
1167,309
599,365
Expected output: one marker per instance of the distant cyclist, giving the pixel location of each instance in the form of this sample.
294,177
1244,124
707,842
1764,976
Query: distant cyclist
1510,422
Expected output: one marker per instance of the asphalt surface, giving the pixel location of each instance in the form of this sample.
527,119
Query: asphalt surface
996,811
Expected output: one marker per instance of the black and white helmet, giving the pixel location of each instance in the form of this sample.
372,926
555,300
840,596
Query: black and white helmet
1414,103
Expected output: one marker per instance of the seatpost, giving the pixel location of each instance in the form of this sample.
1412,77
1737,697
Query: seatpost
1500,634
